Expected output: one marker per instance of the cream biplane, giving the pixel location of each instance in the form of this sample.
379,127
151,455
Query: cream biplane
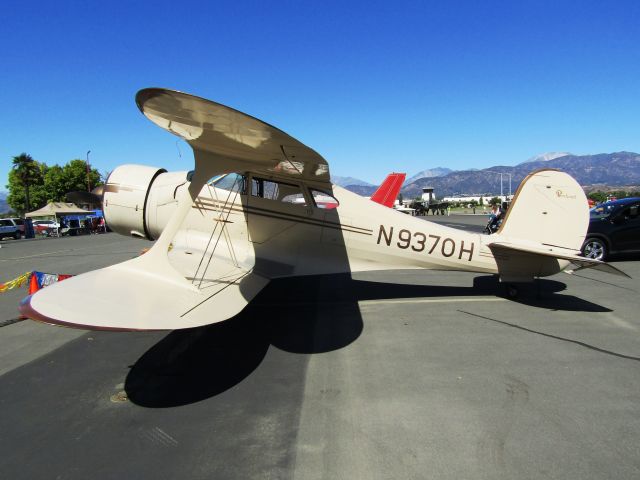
258,206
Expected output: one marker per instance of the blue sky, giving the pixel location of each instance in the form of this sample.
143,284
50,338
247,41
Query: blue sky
372,86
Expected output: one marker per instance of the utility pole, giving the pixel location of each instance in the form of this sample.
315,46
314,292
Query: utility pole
502,181
88,171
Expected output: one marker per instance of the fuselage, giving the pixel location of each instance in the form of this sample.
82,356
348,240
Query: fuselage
298,229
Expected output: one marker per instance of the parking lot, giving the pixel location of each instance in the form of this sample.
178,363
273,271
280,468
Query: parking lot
397,374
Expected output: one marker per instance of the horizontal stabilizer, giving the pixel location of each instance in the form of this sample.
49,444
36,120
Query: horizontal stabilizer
130,296
571,256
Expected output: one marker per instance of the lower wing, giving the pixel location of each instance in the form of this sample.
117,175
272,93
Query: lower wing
145,294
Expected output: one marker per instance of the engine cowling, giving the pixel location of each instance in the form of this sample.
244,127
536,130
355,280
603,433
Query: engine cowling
132,196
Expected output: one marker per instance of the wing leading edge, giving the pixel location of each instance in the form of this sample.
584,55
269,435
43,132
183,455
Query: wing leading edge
220,134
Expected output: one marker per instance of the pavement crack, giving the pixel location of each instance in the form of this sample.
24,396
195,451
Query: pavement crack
569,340
573,274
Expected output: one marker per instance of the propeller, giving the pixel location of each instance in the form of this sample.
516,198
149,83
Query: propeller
94,196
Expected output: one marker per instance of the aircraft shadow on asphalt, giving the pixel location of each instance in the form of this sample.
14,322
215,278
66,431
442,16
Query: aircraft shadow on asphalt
299,315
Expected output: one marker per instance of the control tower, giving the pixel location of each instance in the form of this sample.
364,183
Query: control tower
427,195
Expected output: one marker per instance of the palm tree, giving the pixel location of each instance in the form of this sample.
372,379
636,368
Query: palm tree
25,167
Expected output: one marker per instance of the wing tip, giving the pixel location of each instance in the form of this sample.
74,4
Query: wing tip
26,309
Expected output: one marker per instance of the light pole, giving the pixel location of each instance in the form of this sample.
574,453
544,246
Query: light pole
501,176
88,170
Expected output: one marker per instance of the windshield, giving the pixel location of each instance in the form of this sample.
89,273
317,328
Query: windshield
233,182
602,210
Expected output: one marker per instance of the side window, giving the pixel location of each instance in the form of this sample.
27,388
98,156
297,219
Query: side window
633,211
270,190
19,221
279,191
324,199
233,182
5,223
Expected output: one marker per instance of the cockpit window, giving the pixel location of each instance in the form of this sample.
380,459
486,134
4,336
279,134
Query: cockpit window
283,192
233,182
324,199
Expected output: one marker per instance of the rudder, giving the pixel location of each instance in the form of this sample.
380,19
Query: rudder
387,192
549,208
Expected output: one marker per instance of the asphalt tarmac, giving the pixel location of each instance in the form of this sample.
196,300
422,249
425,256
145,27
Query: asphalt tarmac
386,375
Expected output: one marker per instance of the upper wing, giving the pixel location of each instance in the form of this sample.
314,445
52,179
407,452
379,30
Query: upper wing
222,135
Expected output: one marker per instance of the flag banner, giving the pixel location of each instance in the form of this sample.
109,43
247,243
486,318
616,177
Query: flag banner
40,280
15,283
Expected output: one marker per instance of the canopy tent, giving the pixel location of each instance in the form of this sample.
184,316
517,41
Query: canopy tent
58,209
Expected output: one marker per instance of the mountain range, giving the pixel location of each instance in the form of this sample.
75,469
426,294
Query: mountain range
545,157
4,206
349,181
605,169
433,172
591,171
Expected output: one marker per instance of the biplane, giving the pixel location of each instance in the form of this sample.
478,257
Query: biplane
259,205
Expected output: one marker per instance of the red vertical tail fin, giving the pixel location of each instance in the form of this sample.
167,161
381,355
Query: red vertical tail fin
387,193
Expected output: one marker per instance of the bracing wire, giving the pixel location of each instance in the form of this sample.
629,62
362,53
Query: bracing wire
222,230
213,232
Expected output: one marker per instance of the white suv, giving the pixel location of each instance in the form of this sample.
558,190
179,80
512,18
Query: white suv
11,227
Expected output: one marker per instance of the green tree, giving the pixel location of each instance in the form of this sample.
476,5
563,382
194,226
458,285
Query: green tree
71,177
619,194
17,197
26,173
54,184
598,196
495,201
49,184
75,175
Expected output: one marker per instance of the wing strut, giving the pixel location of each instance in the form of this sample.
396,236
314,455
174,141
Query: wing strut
222,222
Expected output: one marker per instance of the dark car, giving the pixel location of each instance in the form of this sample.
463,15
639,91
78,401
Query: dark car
614,227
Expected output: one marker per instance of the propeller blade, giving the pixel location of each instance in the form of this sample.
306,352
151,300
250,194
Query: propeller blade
84,197
99,191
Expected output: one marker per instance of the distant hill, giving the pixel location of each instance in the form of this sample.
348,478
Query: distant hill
4,206
364,190
611,169
347,181
545,157
432,172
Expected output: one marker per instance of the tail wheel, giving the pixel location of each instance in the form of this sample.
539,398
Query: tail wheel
594,248
512,291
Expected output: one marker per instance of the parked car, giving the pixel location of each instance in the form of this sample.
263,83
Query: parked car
45,227
11,227
614,227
